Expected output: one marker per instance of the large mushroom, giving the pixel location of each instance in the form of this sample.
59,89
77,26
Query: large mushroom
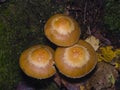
62,30
76,61
37,62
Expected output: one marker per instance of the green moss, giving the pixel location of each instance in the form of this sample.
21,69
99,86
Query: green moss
1,26
21,26
112,15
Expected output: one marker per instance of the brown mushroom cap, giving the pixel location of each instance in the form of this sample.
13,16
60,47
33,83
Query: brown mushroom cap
62,30
76,61
37,62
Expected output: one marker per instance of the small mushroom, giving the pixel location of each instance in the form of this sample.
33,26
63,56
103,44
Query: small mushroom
62,30
76,61
37,62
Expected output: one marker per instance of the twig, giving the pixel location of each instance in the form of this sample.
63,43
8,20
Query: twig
88,29
85,8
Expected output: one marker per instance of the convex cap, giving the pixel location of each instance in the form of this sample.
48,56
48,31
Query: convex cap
62,30
76,61
37,62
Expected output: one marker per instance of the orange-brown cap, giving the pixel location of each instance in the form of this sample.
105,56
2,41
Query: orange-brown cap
75,61
37,62
62,30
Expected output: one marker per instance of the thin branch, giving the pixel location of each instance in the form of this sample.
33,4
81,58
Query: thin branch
85,8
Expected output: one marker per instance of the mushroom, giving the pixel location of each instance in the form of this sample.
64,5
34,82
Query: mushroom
76,61
37,62
62,30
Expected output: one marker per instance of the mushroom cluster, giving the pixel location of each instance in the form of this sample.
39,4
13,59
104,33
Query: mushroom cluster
73,57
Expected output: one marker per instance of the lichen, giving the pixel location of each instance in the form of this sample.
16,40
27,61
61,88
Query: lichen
117,51
111,79
106,54
117,59
109,55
